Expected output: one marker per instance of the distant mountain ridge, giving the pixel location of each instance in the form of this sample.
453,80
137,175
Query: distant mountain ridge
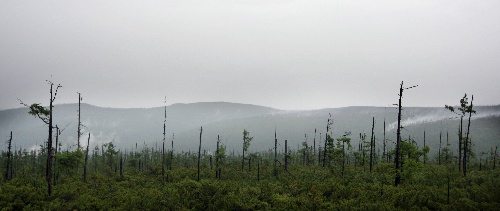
144,126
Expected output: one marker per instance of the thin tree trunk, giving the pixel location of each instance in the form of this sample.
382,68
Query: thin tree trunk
9,160
86,158
425,154
439,152
79,122
199,154
466,145
372,145
460,145
163,146
172,152
286,155
314,147
217,159
495,157
275,154
48,172
121,165
397,179
384,155
55,155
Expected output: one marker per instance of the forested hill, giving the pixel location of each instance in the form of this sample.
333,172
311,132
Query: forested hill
144,126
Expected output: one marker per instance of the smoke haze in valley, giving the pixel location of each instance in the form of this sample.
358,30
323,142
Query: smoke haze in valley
283,54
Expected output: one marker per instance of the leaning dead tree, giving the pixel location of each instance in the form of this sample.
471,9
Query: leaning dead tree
45,115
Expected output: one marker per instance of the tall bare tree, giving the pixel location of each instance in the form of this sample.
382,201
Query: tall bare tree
9,160
45,115
397,162
79,118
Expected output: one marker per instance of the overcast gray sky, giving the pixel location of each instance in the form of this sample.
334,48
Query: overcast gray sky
299,54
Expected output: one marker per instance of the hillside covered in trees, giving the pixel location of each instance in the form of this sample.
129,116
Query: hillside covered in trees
226,156
128,127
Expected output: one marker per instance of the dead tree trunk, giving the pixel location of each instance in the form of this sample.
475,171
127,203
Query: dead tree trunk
163,146
439,152
397,179
86,158
172,152
48,173
79,119
121,165
495,157
460,144
217,159
275,154
425,154
466,145
55,155
286,155
199,154
9,160
384,155
372,145
314,147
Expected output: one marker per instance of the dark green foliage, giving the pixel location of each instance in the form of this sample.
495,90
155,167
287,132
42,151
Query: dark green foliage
302,188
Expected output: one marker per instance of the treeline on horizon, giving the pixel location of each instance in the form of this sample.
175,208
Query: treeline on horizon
334,175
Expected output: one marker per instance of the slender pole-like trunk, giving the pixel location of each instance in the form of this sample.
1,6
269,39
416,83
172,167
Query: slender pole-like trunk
163,161
79,120
425,154
325,150
286,155
319,150
447,144
439,152
249,163
466,144
372,145
343,157
9,160
48,172
86,158
217,159
172,152
495,157
55,155
314,147
163,146
199,154
243,152
384,155
397,179
460,144
121,165
275,154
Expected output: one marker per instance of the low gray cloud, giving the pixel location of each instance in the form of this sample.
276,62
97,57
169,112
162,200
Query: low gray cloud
284,54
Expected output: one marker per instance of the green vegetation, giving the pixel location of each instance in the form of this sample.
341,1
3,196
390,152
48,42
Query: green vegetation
345,184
